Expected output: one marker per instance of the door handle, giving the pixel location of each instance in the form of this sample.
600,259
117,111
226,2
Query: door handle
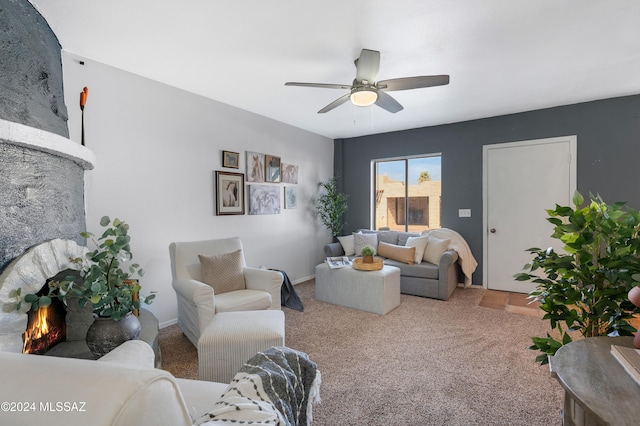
492,230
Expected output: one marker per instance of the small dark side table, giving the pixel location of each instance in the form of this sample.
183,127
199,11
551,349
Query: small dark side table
598,391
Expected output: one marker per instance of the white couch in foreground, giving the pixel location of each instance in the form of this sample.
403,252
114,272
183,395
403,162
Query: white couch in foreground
278,385
121,388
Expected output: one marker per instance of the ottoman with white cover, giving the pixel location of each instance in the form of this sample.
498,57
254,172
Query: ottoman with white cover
232,338
372,291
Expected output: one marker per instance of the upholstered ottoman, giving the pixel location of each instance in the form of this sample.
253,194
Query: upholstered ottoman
371,291
233,338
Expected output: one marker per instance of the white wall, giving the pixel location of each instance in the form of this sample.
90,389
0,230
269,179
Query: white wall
157,148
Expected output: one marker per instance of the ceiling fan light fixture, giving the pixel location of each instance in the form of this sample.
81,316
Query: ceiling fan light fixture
363,96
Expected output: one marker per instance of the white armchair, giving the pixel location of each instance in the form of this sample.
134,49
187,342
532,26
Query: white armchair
197,302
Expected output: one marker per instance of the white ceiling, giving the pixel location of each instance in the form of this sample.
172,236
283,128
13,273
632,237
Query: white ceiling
502,56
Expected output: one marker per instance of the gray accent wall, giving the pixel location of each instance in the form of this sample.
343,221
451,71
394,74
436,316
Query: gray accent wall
608,134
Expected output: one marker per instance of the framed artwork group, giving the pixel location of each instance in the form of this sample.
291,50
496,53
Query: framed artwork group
262,171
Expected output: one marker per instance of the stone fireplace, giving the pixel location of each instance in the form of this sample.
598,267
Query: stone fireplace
42,204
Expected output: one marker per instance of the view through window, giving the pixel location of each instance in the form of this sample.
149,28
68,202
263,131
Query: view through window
407,193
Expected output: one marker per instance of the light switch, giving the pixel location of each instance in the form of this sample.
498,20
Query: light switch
464,212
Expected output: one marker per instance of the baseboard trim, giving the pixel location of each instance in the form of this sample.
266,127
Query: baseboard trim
302,280
168,323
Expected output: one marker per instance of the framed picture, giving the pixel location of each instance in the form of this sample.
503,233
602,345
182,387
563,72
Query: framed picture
290,197
264,199
229,193
255,167
231,159
272,167
289,173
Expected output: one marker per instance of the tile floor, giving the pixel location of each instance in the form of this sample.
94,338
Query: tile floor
510,302
518,303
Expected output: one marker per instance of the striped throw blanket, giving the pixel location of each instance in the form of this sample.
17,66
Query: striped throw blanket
275,387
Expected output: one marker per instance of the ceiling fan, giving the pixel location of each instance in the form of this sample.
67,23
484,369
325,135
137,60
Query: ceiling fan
366,91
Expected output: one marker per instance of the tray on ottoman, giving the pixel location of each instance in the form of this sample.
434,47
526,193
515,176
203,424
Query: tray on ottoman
360,265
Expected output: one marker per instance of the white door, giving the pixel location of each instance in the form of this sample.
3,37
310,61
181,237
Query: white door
521,181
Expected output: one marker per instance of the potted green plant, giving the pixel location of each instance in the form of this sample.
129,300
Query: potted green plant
331,207
111,290
367,253
585,289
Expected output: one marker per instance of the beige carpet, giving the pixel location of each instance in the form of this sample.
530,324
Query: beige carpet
427,362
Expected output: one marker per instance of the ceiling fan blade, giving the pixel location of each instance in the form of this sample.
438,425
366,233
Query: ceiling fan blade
368,65
336,103
412,82
385,101
321,85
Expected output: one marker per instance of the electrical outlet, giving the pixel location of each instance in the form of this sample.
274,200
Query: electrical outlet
464,212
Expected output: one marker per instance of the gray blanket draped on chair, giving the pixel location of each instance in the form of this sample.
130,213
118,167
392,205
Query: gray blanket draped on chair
288,295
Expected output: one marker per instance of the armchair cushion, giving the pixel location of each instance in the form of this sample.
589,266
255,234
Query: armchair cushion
243,300
223,272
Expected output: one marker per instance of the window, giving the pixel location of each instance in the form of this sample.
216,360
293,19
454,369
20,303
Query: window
407,193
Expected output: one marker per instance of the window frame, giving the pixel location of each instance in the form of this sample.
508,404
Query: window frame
374,193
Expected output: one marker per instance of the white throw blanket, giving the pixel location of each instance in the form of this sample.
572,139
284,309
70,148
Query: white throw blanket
467,262
275,387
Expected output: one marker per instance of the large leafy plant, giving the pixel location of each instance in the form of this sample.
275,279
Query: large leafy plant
331,206
111,290
584,290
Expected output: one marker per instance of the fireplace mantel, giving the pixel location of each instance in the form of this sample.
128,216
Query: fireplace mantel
41,140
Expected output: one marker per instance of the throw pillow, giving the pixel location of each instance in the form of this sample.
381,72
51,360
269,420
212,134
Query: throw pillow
404,236
435,248
420,243
223,272
400,253
347,245
361,240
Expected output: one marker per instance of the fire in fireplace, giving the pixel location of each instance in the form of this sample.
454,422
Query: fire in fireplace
46,326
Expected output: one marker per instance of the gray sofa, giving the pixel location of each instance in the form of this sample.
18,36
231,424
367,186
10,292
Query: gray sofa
424,279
